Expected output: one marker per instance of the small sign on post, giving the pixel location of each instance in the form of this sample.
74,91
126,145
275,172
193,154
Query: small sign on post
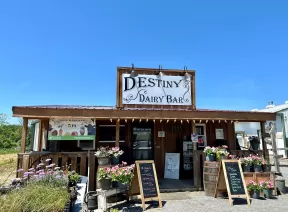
145,182
231,179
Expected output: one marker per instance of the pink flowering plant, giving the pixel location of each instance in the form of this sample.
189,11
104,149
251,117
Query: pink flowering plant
104,173
122,173
253,186
246,161
103,152
210,150
267,184
116,152
256,160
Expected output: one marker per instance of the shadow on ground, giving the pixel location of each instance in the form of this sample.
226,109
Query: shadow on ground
135,206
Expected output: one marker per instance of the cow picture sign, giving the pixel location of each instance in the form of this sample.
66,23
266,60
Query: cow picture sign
72,129
152,90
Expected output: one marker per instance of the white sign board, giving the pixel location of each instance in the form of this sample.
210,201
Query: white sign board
219,133
194,138
172,164
161,134
152,90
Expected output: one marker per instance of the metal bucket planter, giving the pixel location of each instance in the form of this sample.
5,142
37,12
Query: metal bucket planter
115,161
268,193
256,194
210,157
257,168
104,184
104,161
246,168
267,168
255,146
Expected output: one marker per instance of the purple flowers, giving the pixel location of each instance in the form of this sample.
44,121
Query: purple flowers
48,159
20,170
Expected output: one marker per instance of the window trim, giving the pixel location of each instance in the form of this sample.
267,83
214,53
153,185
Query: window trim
205,134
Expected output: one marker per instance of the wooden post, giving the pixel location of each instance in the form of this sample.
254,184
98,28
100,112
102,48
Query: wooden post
24,135
117,133
196,160
40,133
264,146
25,163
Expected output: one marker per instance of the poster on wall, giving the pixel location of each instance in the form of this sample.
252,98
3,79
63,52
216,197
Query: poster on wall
172,164
152,90
219,133
194,138
72,129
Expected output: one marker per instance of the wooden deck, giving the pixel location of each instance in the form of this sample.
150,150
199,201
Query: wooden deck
81,161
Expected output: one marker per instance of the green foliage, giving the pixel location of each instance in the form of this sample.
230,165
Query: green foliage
74,177
35,197
10,134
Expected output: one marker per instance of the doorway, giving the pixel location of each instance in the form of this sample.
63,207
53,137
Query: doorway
142,141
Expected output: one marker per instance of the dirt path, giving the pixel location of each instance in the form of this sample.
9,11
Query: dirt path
8,163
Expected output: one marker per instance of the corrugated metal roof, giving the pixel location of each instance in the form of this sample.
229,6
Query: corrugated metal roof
140,109
275,109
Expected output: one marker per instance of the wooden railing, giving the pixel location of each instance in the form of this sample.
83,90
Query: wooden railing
77,161
199,158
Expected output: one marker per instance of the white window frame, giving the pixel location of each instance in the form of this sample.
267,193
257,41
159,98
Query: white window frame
78,145
112,125
205,134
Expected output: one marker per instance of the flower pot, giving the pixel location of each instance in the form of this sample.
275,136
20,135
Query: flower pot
71,183
115,161
104,184
246,168
103,161
210,157
255,146
256,194
267,168
251,193
268,193
257,168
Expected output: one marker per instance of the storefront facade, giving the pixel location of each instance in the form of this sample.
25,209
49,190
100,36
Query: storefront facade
154,114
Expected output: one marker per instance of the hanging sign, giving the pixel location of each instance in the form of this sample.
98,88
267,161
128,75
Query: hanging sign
194,138
161,134
152,90
231,179
145,182
72,129
219,133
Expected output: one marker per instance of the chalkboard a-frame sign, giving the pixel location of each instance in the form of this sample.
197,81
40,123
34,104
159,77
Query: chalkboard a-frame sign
145,182
231,179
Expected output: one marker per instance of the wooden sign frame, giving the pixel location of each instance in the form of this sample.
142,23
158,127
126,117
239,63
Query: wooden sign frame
153,71
136,187
223,183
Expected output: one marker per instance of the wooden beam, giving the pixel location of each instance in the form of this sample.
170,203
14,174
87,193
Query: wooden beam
40,135
117,133
24,135
141,114
264,146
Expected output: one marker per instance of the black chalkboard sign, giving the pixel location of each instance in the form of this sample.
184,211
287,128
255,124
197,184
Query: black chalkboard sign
231,179
148,180
235,180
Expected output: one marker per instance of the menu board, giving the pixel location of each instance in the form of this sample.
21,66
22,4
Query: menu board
145,182
231,180
148,180
235,180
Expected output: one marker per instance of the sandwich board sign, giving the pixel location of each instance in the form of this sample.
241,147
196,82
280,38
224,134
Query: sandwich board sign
231,179
145,182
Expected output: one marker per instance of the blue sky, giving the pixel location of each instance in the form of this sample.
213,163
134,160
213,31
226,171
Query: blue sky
66,52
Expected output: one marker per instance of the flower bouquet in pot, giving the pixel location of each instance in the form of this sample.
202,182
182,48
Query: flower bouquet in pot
221,153
254,189
267,187
257,163
210,153
104,178
115,153
122,173
103,154
246,163
266,166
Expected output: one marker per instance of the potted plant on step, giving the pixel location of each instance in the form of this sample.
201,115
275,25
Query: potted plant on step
116,153
255,189
222,153
267,188
104,178
103,154
246,163
210,153
266,165
250,187
123,173
257,163
254,142
73,179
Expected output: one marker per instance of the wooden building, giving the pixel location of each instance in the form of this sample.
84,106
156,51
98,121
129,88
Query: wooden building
155,113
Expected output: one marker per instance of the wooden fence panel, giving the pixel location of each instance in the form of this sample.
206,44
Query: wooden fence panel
83,165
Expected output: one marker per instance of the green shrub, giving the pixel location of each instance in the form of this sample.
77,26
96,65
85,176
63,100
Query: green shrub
35,198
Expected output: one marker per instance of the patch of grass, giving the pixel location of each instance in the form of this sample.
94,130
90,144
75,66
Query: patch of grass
35,197
9,151
8,164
